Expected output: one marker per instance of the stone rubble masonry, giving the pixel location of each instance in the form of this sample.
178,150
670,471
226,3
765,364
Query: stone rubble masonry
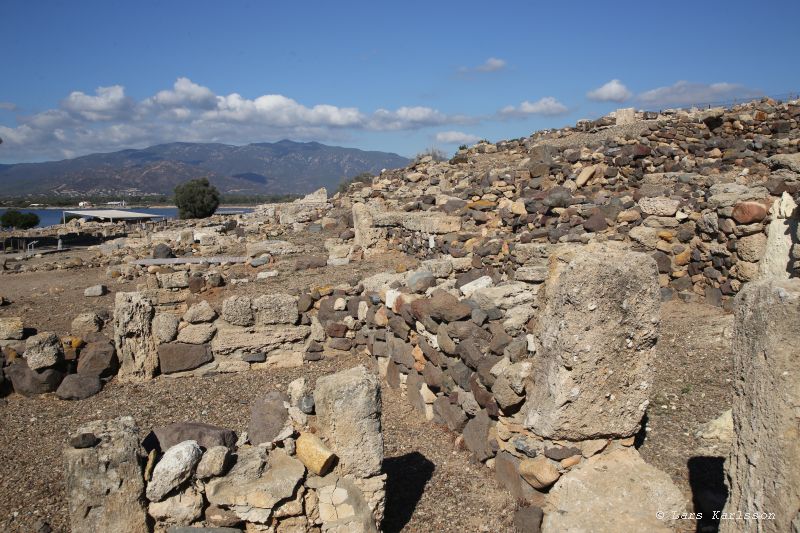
104,483
761,477
597,335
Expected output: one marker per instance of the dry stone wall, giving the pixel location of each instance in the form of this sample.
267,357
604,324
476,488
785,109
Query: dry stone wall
296,469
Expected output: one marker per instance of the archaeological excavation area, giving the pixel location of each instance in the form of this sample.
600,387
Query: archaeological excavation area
587,330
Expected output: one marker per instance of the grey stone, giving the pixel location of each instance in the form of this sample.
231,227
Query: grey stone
98,359
104,484
178,357
476,436
213,463
30,382
78,387
43,350
599,301
11,328
175,466
165,327
591,497
275,309
95,291
766,391
200,312
197,333
205,435
86,324
348,404
268,417
237,310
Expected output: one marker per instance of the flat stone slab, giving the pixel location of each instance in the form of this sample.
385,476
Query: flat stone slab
191,260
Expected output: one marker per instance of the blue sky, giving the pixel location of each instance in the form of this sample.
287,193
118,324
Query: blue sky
86,76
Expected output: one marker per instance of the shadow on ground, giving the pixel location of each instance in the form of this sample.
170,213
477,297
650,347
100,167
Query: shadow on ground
707,479
406,477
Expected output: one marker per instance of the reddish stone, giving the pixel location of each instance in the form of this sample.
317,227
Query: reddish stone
749,212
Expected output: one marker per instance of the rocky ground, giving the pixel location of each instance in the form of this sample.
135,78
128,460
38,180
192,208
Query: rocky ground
431,485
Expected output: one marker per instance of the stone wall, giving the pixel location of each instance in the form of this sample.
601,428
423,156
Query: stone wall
310,461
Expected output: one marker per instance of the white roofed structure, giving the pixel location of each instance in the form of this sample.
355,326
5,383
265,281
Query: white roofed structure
113,215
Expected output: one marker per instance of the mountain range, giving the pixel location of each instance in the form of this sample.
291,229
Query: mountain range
284,167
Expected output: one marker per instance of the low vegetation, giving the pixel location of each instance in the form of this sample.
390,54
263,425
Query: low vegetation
18,220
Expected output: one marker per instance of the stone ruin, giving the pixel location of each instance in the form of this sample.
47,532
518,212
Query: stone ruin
311,461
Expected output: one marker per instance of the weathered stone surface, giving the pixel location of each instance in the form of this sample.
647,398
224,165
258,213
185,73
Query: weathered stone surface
200,312
751,248
540,472
182,508
251,491
197,333
259,339
749,212
133,337
175,466
451,414
43,350
98,359
597,334
84,324
205,435
173,280
78,387
165,327
765,419
275,309
213,463
348,403
777,253
237,311
178,357
11,328
104,483
593,497
268,417
272,247
661,207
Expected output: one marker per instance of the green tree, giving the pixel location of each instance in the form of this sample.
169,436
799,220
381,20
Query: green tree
16,219
196,199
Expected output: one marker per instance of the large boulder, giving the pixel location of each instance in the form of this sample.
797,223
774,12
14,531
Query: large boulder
133,337
348,406
597,336
613,492
103,482
765,416
98,359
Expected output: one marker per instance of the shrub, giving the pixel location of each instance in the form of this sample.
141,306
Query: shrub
196,199
16,219
435,153
364,177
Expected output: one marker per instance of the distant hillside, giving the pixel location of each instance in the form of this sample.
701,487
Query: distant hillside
262,168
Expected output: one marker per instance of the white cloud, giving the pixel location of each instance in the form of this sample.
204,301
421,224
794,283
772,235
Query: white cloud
493,64
613,91
547,106
456,137
109,103
684,93
110,120
8,106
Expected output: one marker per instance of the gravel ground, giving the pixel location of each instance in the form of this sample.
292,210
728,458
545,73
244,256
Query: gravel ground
432,486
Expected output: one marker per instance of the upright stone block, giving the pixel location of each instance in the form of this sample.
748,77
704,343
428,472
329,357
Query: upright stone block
104,481
762,476
133,336
348,406
597,336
